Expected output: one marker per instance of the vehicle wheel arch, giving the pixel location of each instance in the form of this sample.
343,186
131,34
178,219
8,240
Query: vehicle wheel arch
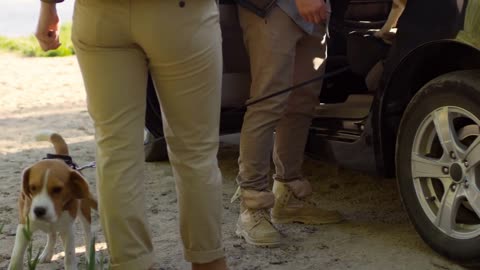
419,67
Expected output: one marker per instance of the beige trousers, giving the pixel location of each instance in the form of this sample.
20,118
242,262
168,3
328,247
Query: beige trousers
281,54
117,42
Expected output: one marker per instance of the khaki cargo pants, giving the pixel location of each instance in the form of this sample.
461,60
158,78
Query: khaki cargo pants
281,54
117,42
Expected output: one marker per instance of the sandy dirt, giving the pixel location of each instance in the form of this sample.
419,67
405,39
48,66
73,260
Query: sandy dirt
47,93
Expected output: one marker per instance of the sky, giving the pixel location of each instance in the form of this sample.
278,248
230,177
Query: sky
19,17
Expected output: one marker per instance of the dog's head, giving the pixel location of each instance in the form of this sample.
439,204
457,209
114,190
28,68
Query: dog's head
51,185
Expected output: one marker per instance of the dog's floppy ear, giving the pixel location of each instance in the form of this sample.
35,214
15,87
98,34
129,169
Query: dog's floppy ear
79,185
25,182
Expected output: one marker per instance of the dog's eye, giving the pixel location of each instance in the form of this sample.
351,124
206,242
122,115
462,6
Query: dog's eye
56,190
33,188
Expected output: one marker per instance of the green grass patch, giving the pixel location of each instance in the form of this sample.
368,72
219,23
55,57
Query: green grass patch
28,46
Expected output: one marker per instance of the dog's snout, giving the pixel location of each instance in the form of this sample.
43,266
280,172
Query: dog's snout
39,211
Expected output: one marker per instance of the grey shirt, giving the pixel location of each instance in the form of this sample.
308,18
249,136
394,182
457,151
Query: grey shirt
289,7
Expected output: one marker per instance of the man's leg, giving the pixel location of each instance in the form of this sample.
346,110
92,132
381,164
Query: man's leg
291,136
271,46
115,74
292,130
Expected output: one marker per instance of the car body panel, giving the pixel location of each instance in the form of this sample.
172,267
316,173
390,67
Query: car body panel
422,58
423,64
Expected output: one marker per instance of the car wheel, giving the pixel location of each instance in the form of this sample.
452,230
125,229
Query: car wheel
438,165
154,144
155,148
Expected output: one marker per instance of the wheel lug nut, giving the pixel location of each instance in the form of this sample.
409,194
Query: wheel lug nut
465,163
466,184
452,155
445,170
453,187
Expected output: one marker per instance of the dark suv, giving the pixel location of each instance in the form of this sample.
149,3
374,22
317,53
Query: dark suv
410,109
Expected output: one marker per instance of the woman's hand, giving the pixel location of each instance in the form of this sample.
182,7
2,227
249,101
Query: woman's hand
47,32
313,11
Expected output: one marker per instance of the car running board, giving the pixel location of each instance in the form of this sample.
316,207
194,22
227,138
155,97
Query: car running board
356,107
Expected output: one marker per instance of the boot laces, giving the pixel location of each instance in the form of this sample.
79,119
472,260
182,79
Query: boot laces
259,214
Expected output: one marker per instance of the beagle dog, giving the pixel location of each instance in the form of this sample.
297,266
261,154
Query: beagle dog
52,196
397,9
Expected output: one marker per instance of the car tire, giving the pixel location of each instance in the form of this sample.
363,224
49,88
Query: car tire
437,185
155,148
154,144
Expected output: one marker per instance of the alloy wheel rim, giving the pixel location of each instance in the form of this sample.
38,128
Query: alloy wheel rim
445,165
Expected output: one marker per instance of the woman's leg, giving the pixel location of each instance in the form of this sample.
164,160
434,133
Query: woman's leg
183,45
115,73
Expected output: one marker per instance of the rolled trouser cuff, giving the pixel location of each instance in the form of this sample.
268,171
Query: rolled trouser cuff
204,256
141,263
301,188
257,199
258,183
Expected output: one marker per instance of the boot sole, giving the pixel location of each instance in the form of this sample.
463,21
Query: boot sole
250,241
305,220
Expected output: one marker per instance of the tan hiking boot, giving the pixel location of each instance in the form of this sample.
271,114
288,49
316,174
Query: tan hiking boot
254,223
293,203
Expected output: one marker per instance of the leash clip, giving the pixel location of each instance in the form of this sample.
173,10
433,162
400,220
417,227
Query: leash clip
92,164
